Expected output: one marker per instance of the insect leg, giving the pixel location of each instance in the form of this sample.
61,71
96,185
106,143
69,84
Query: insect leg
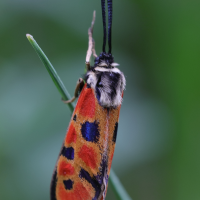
79,86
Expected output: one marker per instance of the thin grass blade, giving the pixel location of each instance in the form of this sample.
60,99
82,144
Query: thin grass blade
56,79
117,187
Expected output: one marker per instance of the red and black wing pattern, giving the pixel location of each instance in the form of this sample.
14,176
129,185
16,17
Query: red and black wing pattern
83,166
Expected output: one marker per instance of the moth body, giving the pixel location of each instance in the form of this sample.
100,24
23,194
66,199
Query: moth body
83,166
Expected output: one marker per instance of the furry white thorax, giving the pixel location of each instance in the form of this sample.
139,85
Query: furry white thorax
110,89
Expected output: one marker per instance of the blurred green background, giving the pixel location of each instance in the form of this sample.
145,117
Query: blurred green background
157,44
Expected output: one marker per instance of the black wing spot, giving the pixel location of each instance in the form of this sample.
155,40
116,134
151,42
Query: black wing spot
90,131
115,133
68,153
53,186
93,181
74,118
68,184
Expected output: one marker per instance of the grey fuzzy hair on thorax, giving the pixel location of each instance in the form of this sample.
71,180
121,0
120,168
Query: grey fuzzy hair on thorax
108,84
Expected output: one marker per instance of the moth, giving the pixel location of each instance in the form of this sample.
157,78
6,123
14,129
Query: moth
84,162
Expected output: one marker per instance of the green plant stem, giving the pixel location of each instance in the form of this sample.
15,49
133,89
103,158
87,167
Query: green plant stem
117,187
113,180
52,72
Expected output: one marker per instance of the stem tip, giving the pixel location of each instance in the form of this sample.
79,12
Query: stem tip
30,37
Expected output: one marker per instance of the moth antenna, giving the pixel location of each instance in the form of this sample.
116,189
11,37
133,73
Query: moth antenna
104,24
109,24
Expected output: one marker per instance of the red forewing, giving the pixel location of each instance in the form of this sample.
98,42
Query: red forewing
84,163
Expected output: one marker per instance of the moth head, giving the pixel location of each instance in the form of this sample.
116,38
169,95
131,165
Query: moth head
105,60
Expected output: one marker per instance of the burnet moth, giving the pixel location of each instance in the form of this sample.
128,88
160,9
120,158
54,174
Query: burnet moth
84,162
